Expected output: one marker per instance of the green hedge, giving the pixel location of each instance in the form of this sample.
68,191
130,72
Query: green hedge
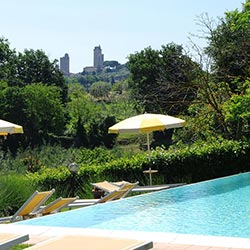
191,164
203,162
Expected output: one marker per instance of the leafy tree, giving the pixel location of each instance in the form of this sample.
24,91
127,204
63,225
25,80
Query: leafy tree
20,69
38,108
237,113
226,81
229,47
100,89
108,139
80,108
44,110
98,134
7,60
34,66
112,64
161,81
11,103
177,86
144,67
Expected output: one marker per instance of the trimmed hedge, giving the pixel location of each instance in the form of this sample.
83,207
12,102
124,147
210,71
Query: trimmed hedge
203,162
191,164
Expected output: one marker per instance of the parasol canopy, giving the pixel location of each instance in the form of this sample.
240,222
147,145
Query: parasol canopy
9,128
146,123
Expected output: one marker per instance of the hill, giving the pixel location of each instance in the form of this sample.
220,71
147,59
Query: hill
111,73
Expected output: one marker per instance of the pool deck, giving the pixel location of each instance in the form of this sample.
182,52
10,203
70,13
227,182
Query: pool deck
162,241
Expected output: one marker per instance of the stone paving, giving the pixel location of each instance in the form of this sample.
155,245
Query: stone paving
161,241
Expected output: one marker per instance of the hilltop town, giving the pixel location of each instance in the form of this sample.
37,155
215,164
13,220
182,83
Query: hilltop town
98,63
106,71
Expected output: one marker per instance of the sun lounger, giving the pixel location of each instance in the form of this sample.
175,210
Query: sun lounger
87,202
8,240
114,195
125,189
111,186
30,207
79,242
56,205
106,186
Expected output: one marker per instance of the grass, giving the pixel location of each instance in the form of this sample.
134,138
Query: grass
20,246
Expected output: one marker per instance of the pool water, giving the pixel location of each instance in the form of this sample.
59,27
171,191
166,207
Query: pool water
219,207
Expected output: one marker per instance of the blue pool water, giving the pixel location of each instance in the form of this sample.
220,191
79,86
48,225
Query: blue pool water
219,207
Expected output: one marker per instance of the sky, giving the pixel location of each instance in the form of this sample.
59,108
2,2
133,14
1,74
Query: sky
120,27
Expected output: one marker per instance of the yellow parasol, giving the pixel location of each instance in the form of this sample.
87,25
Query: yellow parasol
9,128
146,123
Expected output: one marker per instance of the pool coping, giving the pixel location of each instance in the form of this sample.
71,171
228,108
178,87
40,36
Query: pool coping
45,232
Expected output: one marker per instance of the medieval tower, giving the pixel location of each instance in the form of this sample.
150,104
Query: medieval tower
64,64
98,58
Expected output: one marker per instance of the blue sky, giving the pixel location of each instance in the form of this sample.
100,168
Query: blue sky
121,27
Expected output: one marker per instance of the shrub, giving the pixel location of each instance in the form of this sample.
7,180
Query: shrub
14,191
190,164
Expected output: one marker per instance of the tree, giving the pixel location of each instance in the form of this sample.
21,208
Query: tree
43,108
229,47
177,85
100,89
237,113
162,81
7,60
111,64
108,139
225,84
31,66
38,108
81,111
144,67
34,66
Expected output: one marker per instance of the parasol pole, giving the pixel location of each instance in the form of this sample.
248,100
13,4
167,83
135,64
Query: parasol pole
148,144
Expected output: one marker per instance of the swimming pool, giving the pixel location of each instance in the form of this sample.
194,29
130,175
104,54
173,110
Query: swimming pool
219,207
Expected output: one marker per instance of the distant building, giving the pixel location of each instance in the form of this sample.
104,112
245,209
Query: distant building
64,65
89,69
98,58
98,61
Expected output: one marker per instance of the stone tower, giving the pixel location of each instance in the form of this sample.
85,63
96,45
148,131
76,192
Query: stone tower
64,64
98,58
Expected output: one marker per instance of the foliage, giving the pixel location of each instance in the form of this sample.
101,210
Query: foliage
14,191
187,164
162,81
121,108
80,108
100,89
7,59
196,162
200,126
111,64
37,107
214,101
237,113
225,73
95,156
19,69
202,161
229,46
33,93
44,109
88,123
21,246
113,72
